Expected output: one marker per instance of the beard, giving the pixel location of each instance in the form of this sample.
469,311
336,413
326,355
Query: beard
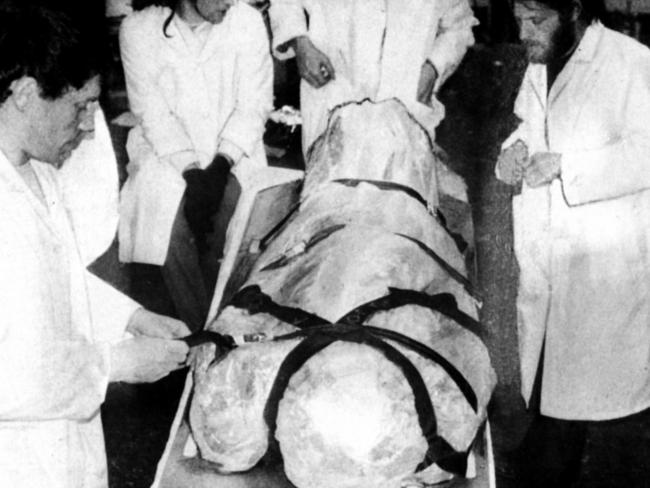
537,52
560,44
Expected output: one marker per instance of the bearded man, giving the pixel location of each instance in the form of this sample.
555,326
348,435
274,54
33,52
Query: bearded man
581,157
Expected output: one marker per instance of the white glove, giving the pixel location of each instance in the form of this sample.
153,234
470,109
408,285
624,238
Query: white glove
512,163
544,167
145,359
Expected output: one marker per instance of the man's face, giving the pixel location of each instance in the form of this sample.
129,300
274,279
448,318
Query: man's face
214,11
59,125
540,28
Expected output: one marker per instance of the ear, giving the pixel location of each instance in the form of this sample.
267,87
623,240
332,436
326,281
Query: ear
24,91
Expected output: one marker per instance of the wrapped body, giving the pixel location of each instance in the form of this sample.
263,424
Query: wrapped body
347,417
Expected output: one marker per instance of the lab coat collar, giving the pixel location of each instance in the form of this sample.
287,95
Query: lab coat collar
186,37
586,50
199,44
218,32
15,184
578,63
576,66
182,38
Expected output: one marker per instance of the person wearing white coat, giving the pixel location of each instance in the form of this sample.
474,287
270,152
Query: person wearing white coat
62,330
199,79
582,240
350,50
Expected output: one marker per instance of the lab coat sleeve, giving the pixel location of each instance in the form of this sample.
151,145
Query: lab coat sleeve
59,379
111,310
254,92
452,40
45,374
288,21
147,101
622,166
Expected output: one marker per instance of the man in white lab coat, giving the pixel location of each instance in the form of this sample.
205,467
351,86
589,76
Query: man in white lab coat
582,240
62,330
350,50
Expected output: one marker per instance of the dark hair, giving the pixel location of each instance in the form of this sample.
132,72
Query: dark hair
591,9
172,4
43,43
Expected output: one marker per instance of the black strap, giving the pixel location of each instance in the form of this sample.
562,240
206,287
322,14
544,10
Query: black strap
318,333
460,242
406,341
325,233
385,185
254,300
264,242
316,340
444,303
456,275
209,337
319,236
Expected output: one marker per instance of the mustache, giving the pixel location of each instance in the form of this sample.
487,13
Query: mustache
531,44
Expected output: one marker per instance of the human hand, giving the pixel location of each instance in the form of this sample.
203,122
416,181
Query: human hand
146,323
313,64
543,168
427,82
145,359
203,194
512,163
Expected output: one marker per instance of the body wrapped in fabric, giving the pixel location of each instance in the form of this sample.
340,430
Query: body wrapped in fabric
366,224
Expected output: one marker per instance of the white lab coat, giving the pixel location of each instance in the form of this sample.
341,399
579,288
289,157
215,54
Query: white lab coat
90,185
377,48
192,100
583,243
57,323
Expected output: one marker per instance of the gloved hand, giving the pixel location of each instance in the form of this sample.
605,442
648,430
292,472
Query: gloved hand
512,163
313,64
150,324
145,359
203,193
544,167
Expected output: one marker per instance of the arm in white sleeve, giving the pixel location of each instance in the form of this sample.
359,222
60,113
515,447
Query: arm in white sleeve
47,371
620,167
453,39
111,310
147,101
50,380
244,128
288,21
